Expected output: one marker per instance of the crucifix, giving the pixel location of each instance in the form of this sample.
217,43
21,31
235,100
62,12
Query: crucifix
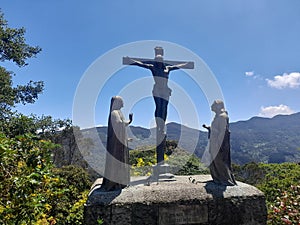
160,70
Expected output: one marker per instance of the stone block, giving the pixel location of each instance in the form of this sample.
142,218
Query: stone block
177,202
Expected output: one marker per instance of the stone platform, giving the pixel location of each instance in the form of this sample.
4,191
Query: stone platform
186,200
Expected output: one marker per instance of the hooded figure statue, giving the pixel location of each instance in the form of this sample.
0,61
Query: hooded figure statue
117,169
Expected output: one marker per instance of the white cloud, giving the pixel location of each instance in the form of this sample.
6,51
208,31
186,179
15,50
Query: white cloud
249,73
271,111
291,80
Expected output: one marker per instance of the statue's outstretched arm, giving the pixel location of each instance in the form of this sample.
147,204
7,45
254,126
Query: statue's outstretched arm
140,63
176,67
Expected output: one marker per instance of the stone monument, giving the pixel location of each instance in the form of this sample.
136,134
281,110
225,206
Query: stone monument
177,202
196,200
160,70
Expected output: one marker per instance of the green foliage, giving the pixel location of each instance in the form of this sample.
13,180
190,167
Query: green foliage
270,178
251,173
9,95
192,166
74,175
180,161
285,209
142,160
278,178
58,131
13,48
72,192
281,186
12,44
24,174
17,124
32,191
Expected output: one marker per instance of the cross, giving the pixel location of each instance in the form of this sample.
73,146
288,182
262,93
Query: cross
160,69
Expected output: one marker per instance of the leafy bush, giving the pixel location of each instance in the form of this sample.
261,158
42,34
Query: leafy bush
32,191
192,166
281,186
180,161
141,161
285,209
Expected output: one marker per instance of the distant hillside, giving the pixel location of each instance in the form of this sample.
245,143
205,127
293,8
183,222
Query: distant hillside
267,140
255,140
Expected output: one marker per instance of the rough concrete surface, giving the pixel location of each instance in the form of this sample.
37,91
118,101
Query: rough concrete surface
185,200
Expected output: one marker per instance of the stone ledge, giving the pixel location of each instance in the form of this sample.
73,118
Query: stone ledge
177,202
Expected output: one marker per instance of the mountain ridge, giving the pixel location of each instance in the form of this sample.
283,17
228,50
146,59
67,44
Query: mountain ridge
259,139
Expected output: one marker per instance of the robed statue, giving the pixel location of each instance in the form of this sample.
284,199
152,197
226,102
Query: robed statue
117,168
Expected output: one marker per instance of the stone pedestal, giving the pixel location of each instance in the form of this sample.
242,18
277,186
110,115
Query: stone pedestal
186,200
161,172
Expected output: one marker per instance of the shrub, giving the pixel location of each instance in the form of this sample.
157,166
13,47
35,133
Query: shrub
285,209
281,186
180,161
32,191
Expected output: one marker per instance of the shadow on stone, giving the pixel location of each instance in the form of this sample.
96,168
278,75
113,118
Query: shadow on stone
217,191
99,196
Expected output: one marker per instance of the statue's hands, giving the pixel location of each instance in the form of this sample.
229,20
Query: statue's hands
204,126
130,117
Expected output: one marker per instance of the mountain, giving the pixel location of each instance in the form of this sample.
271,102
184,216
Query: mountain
268,140
272,140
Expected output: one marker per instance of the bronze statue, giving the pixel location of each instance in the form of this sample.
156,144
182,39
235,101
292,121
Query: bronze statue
117,168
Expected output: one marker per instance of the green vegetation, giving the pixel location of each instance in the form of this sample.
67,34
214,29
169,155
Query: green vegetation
13,48
32,190
281,186
180,161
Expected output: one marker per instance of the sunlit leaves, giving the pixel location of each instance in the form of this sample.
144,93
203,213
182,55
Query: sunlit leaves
13,48
32,191
12,44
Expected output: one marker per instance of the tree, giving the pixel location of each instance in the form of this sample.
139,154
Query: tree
14,48
12,44
32,191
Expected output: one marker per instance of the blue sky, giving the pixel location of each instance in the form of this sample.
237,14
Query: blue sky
252,48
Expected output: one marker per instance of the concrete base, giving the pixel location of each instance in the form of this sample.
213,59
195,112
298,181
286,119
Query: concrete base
185,200
161,173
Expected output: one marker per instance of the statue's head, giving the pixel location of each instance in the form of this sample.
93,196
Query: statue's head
159,51
116,103
218,106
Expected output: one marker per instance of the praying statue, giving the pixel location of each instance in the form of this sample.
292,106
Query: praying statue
219,146
117,168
